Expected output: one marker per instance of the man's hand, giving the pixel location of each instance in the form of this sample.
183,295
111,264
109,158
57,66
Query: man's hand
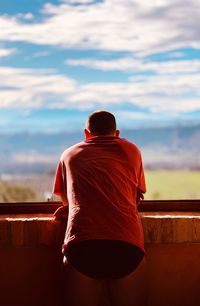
140,196
61,213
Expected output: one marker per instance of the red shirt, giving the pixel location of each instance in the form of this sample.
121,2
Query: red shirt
100,177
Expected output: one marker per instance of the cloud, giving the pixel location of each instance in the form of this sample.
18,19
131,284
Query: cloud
172,86
4,52
78,1
142,27
127,115
27,16
37,88
156,94
131,64
32,88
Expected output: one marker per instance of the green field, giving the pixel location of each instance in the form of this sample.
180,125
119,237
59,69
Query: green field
163,185
172,184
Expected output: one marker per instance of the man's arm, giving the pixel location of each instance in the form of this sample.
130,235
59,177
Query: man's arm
141,188
59,188
64,199
62,212
139,196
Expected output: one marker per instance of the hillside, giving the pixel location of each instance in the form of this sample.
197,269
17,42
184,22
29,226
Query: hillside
166,147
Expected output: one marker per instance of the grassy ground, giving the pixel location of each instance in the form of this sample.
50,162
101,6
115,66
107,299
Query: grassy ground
16,193
172,185
160,185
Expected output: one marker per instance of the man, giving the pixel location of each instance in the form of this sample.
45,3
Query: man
101,180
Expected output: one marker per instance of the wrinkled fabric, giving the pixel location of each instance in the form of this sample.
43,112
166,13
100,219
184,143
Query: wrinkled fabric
100,177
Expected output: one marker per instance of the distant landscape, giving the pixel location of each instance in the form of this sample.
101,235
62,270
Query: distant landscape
161,184
170,155
175,147
172,184
61,60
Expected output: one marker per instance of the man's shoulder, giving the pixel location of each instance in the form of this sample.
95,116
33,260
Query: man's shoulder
129,145
72,150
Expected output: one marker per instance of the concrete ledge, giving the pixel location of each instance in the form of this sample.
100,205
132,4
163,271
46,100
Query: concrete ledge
32,230
31,269
171,227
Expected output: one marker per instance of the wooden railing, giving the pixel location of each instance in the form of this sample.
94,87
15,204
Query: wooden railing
145,206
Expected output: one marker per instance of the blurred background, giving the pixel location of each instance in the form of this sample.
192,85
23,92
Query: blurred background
60,60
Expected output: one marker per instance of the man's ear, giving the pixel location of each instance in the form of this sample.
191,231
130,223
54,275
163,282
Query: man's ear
117,133
88,135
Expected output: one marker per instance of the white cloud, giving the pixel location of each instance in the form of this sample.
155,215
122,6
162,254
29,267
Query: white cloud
7,52
156,94
130,64
173,87
27,16
142,27
127,115
78,1
34,88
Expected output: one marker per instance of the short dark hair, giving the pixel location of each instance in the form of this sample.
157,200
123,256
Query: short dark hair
101,123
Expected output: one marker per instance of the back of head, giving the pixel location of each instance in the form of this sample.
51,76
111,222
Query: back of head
101,123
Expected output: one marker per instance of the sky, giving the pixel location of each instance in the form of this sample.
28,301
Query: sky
61,60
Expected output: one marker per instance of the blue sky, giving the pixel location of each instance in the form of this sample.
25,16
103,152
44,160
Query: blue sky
61,60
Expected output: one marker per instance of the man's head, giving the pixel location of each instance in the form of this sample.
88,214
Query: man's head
101,123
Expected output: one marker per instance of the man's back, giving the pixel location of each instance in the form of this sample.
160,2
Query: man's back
101,180
102,175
